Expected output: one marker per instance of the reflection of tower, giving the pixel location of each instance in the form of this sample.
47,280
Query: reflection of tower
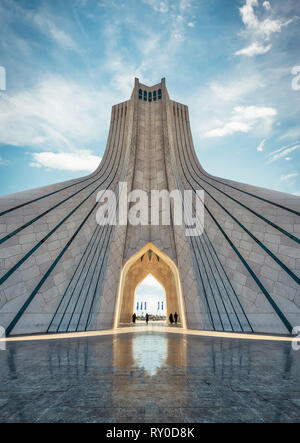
60,271
149,352
158,362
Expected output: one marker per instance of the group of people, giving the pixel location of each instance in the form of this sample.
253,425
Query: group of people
134,318
172,318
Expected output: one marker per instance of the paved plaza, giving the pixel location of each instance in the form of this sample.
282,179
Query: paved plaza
149,376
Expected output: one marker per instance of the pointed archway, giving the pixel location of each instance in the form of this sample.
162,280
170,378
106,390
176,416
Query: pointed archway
149,260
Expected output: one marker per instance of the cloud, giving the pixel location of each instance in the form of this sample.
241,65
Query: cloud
243,119
282,152
61,37
254,49
288,176
264,28
267,5
150,282
184,4
41,18
253,113
47,24
178,31
259,31
228,129
217,108
68,161
158,5
291,133
177,16
55,115
236,89
260,147
3,162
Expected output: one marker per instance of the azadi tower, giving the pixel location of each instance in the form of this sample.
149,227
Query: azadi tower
61,271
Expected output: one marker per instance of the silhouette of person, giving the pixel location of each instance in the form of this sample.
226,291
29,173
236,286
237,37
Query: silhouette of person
171,319
147,318
175,317
133,318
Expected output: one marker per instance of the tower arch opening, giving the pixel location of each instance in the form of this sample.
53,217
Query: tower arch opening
149,260
150,298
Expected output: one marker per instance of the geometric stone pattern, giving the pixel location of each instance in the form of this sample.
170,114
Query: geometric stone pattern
59,270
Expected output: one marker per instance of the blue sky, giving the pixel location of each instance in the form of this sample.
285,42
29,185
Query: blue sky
151,292
230,61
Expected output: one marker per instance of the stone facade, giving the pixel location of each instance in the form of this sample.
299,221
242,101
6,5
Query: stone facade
60,270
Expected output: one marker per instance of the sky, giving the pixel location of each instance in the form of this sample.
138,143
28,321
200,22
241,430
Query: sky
235,63
151,292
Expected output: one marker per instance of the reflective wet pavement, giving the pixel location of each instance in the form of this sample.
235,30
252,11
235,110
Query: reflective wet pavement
149,377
